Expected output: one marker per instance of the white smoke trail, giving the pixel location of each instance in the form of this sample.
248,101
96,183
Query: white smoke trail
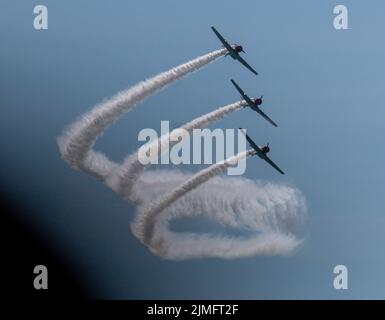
76,142
269,210
144,224
234,202
129,172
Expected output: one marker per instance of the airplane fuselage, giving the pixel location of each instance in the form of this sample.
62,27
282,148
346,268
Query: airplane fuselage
235,52
254,106
253,103
264,150
233,55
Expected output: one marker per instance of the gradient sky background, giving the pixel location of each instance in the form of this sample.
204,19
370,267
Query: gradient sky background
324,87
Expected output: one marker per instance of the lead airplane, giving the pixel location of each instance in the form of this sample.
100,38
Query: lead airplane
261,151
233,51
253,104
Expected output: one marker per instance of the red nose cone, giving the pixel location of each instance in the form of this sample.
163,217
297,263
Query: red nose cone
238,48
266,149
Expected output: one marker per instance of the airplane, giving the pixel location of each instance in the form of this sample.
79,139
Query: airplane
261,151
233,51
253,104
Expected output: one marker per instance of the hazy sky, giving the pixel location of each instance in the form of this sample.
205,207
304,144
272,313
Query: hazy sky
324,87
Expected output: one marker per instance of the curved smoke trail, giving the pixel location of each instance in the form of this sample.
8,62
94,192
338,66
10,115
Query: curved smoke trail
76,142
131,169
266,214
144,225
269,211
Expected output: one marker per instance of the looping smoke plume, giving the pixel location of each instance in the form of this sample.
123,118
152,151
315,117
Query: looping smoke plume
265,215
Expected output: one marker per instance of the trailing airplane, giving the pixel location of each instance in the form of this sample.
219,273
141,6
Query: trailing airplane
233,51
261,151
253,104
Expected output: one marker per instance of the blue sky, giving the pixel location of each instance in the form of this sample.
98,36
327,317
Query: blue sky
324,87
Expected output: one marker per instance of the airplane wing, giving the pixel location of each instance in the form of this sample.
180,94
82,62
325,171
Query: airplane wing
251,104
224,42
269,161
242,93
264,115
241,60
260,153
251,142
